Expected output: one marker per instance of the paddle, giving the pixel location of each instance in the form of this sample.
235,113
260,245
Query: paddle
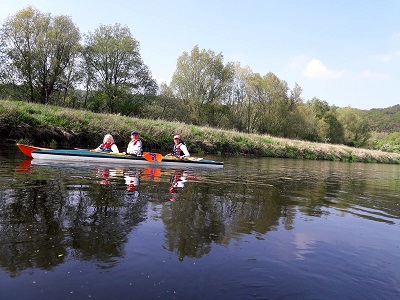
170,157
149,156
153,157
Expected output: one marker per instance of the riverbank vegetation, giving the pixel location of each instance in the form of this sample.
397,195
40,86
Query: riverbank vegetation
101,84
53,126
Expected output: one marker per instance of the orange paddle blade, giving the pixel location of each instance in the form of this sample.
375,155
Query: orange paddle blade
153,157
156,172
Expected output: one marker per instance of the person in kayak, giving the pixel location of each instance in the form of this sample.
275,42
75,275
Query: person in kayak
180,150
135,145
108,144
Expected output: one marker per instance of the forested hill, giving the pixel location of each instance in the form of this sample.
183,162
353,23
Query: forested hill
384,119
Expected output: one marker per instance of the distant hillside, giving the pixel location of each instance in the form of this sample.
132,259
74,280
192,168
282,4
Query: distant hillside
384,119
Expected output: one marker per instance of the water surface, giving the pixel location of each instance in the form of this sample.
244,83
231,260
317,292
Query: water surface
259,228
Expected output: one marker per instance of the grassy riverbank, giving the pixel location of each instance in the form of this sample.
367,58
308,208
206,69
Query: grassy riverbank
45,125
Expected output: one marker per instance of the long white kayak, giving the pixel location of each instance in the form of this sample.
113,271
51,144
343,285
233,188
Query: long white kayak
83,155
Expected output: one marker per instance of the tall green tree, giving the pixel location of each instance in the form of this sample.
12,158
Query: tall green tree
273,103
297,125
201,81
243,110
319,107
166,107
116,69
356,127
329,127
334,131
257,104
38,50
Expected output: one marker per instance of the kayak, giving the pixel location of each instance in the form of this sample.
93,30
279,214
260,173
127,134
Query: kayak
91,156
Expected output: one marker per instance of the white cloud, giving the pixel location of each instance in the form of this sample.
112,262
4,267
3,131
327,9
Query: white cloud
315,69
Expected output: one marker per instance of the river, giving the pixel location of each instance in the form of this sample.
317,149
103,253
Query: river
260,228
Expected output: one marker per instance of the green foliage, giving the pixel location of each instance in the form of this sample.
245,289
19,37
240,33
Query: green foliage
87,128
39,50
53,144
330,157
350,157
383,119
356,128
200,80
309,155
116,69
204,91
385,142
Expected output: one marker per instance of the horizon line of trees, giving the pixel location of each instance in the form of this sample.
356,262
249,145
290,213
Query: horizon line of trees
43,60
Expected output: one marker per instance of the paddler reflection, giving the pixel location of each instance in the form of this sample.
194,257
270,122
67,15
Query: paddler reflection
178,180
106,174
132,180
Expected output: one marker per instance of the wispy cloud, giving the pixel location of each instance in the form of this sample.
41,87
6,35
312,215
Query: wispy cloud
386,57
371,74
315,69
383,58
396,36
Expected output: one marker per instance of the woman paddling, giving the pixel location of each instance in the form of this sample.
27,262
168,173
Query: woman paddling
108,144
180,150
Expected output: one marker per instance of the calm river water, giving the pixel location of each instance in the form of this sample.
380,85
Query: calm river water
262,228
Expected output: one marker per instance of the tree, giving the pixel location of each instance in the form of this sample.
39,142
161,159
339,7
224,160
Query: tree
201,80
3,59
274,105
243,109
333,131
319,107
166,106
258,100
356,128
39,48
116,68
328,127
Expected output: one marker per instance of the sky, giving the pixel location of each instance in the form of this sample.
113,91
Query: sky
346,53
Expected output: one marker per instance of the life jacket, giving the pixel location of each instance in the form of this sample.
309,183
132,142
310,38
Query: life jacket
177,149
106,147
135,141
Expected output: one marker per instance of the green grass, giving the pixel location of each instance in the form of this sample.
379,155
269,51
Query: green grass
45,125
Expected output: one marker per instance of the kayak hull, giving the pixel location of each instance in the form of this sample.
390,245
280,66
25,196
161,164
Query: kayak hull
27,149
117,159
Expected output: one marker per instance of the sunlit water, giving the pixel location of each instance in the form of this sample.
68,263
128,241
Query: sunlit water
259,228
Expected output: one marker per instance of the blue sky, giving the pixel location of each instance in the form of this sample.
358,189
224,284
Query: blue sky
344,52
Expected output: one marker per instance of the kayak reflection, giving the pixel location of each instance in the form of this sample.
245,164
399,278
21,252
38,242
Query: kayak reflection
132,176
25,166
178,178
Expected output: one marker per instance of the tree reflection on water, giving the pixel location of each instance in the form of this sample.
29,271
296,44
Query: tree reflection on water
55,214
